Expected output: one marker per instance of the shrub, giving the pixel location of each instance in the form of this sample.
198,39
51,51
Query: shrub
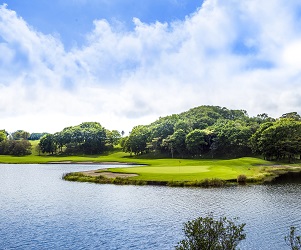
16,148
242,179
208,233
292,240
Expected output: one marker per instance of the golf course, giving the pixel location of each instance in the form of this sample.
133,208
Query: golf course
143,170
186,172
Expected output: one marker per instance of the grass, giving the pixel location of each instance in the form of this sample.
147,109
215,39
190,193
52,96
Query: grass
197,170
174,172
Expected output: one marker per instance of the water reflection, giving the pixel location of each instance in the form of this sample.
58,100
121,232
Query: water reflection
41,211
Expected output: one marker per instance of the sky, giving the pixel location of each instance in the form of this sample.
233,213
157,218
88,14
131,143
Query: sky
128,62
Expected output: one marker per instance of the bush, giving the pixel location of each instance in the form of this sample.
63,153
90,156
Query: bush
208,233
16,148
242,179
292,240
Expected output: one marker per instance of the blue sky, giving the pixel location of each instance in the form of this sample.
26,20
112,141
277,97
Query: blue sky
128,62
71,20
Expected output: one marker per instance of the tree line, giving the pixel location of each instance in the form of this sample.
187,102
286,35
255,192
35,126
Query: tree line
212,131
86,138
201,132
17,146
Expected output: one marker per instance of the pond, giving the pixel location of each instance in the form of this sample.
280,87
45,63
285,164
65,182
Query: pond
41,211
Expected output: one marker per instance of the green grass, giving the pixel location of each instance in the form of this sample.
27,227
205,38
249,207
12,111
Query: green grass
197,170
169,170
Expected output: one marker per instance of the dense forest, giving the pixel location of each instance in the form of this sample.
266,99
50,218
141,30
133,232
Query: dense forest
201,132
212,131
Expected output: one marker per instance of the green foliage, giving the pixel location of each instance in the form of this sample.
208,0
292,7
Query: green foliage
183,125
86,138
80,177
232,138
204,131
292,240
211,234
227,133
113,137
278,140
177,142
36,136
292,115
3,135
20,134
16,148
47,144
137,141
196,142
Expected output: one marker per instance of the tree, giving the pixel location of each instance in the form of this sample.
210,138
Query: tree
292,115
211,234
264,117
3,135
16,148
137,140
20,134
175,143
113,137
36,136
195,141
232,137
87,138
20,148
292,240
184,125
255,140
47,144
281,139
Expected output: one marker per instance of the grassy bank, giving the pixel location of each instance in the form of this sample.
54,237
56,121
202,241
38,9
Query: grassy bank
187,172
166,171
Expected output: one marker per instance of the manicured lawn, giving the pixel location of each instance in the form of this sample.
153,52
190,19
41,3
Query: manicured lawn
197,170
166,169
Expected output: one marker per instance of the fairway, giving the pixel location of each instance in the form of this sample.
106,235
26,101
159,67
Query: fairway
196,170
170,170
166,169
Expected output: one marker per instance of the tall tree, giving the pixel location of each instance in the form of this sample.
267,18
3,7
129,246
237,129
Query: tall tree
47,144
196,142
176,143
232,137
137,140
279,140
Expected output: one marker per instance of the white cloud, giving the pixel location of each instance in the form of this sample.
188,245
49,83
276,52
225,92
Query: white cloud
237,54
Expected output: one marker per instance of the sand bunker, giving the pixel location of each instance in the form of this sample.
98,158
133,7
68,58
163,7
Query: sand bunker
107,174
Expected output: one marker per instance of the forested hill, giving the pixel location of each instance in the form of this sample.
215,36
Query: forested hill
210,131
205,131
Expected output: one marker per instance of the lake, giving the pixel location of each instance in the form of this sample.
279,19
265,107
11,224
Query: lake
39,210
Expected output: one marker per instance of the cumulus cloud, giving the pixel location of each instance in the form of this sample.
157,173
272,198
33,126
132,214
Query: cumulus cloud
237,54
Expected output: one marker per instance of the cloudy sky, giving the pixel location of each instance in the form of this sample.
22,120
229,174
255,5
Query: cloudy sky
128,62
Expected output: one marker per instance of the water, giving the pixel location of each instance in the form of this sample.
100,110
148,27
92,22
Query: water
38,210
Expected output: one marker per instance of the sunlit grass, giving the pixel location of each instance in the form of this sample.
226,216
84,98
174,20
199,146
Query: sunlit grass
165,169
196,170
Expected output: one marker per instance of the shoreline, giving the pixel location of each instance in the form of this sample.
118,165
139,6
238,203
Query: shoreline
168,172
104,176
91,163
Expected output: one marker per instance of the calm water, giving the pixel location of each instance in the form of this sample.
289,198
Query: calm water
38,210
